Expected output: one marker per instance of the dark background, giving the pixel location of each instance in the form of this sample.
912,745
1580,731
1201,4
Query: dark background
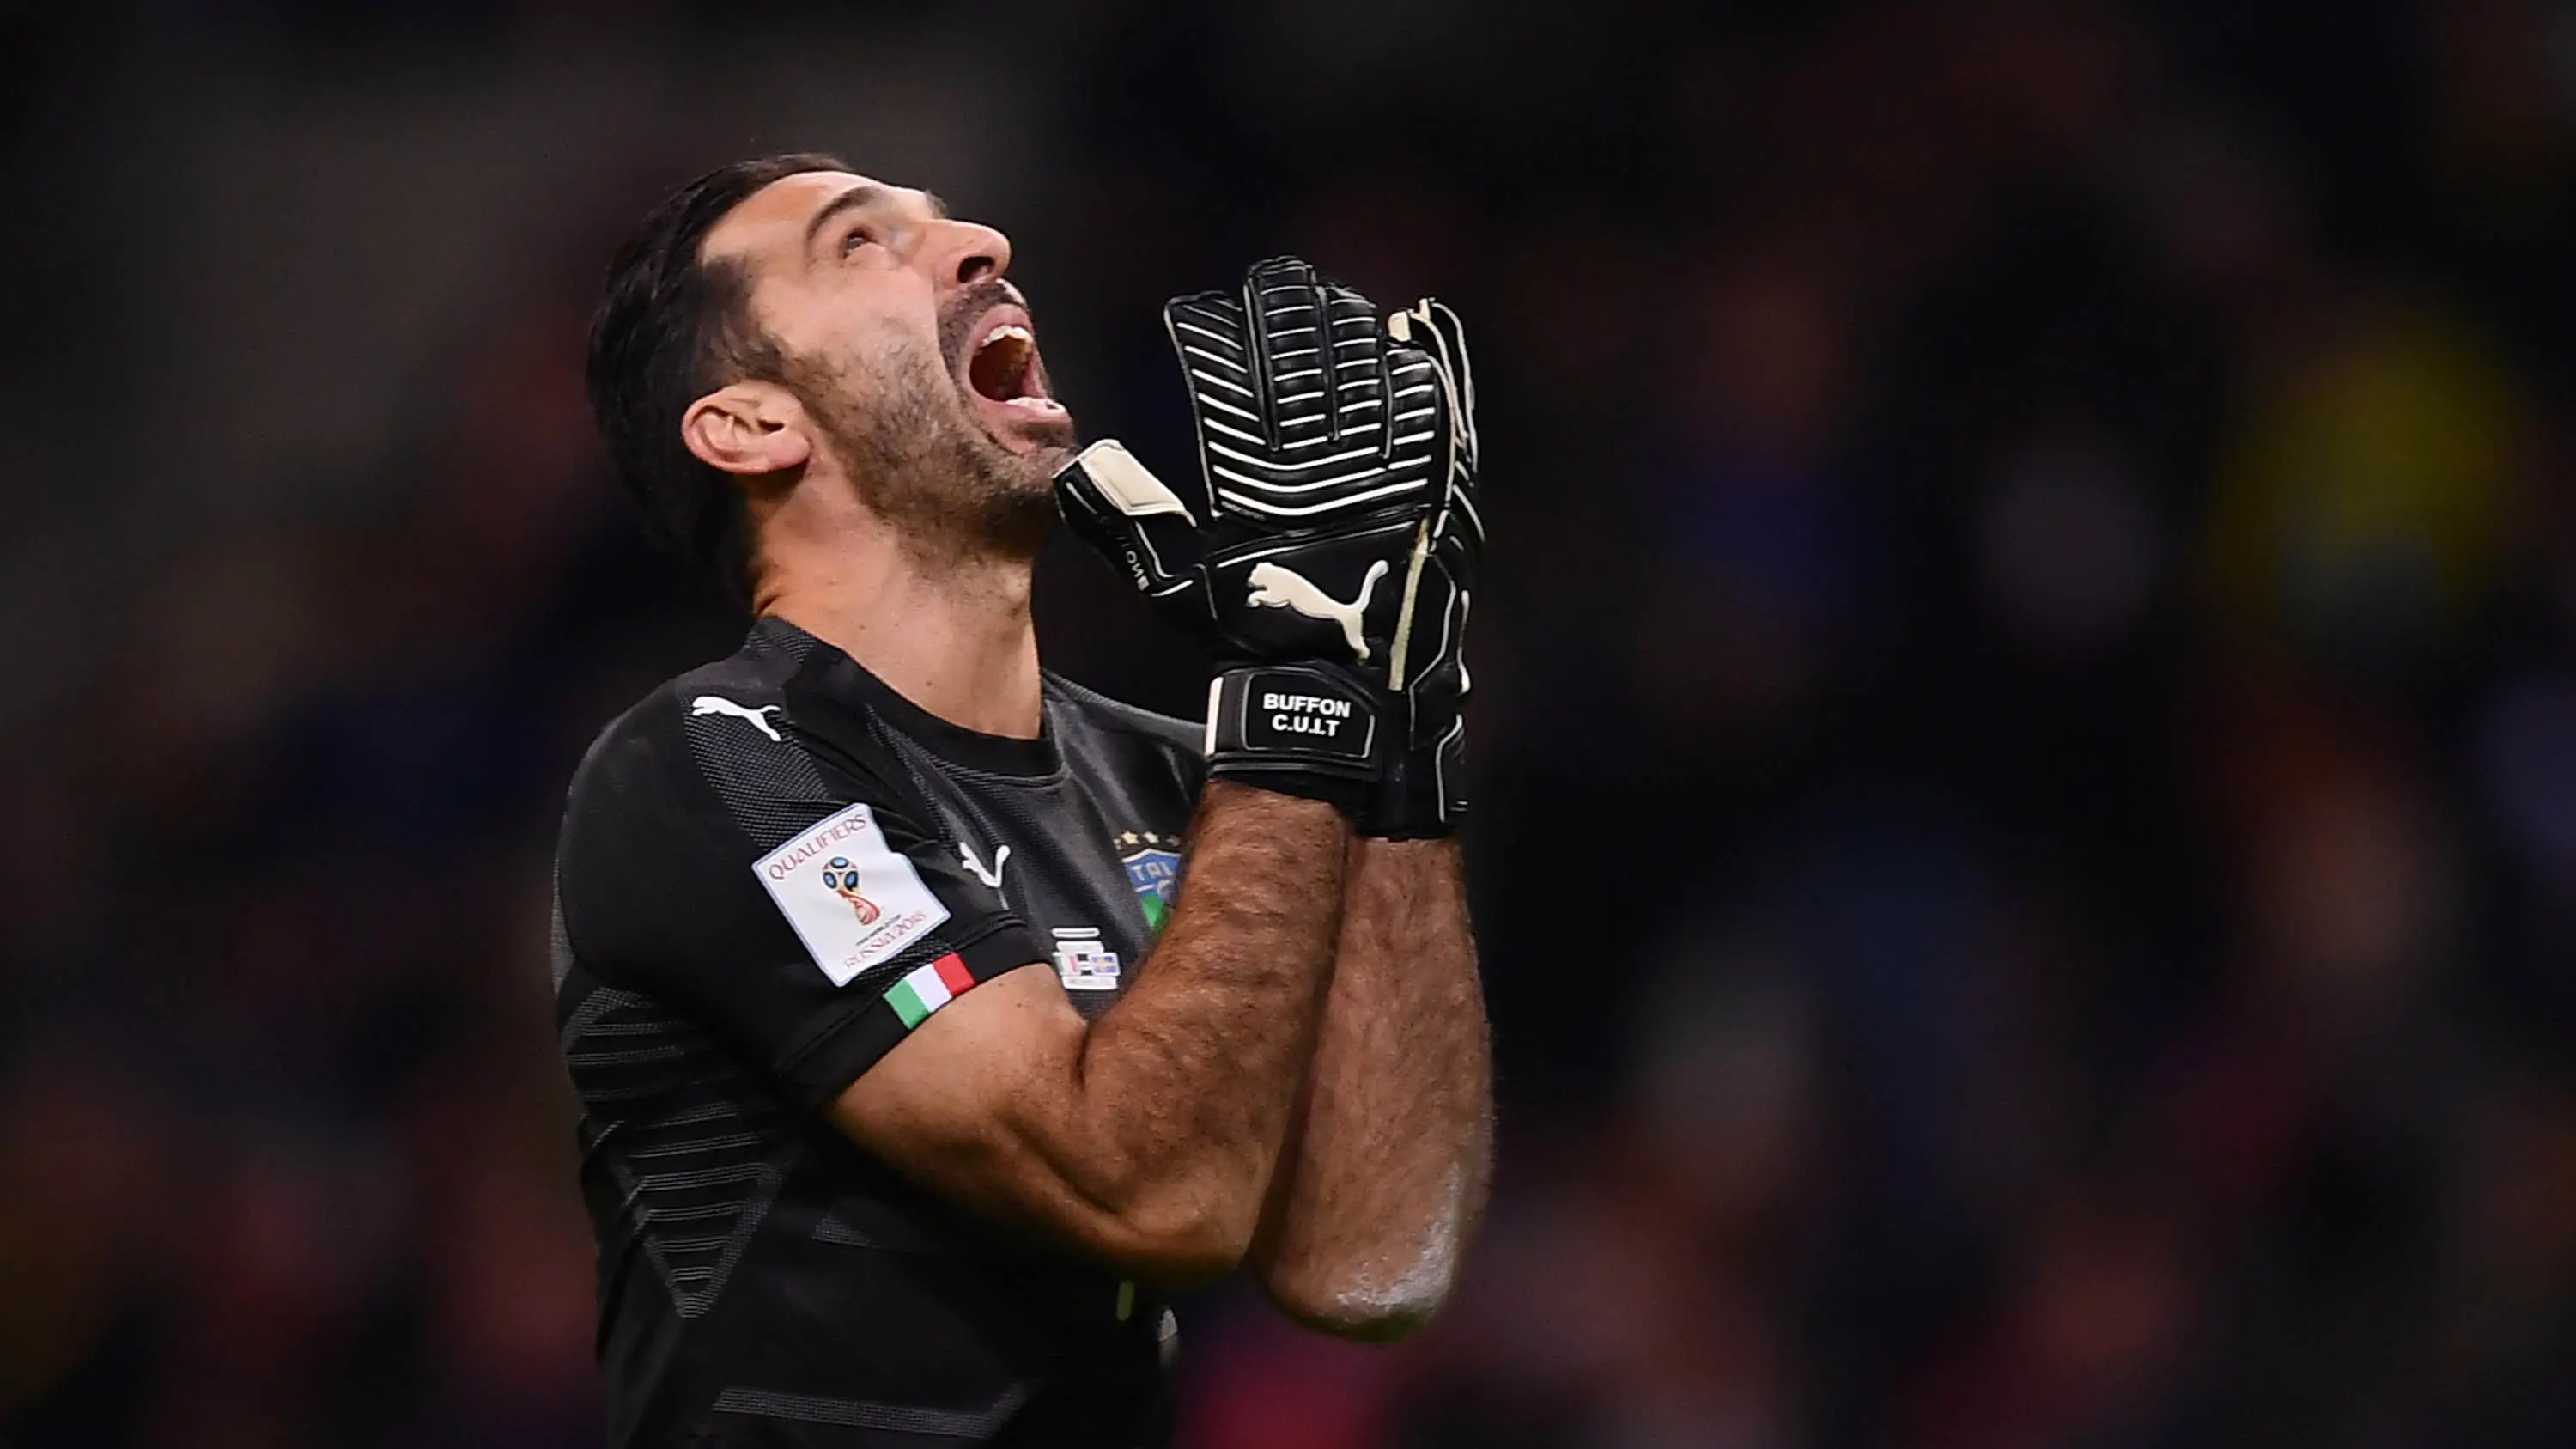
2026,852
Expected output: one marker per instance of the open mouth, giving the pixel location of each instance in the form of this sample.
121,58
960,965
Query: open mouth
1004,372
1004,366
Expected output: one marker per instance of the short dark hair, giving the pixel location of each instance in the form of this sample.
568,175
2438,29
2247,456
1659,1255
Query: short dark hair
671,329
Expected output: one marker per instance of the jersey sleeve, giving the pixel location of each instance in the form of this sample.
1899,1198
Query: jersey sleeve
813,921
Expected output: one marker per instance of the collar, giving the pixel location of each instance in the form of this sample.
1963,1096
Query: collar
843,688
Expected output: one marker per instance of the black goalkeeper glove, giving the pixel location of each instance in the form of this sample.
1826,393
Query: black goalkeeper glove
1326,552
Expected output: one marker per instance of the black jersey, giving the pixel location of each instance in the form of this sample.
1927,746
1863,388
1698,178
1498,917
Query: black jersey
771,870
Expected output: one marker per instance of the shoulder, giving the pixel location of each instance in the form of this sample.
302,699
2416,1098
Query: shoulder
719,748
681,795
637,757
1107,740
1098,713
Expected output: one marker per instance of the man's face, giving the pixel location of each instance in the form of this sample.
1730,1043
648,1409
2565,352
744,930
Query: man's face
915,358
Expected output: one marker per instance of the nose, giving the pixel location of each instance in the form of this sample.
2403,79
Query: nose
967,251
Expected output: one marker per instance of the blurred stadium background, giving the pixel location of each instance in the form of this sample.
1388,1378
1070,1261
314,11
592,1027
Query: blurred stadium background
2027,863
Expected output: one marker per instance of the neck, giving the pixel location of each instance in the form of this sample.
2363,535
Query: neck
951,634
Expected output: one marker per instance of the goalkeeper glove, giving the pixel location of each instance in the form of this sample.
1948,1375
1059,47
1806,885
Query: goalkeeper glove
1326,552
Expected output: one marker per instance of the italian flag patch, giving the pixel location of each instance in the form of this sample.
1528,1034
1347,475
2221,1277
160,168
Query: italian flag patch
928,988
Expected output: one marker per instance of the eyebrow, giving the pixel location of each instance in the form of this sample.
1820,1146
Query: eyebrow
857,196
864,194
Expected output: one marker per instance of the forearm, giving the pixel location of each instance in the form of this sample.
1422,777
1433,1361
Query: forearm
1148,1138
1187,1085
1377,1190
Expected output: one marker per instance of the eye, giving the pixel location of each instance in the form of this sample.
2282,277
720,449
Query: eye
857,238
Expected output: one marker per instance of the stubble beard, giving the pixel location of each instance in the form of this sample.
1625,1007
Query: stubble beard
916,459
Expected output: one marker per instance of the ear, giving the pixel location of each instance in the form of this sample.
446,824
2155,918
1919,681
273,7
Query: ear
748,429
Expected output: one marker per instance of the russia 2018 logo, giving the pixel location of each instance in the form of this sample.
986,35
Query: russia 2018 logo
843,878
872,903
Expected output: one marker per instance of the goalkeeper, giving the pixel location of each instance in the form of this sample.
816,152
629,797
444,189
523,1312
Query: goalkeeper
933,1018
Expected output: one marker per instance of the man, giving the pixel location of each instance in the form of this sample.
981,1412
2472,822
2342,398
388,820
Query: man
910,1086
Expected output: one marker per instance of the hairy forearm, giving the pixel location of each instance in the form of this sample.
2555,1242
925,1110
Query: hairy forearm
1377,1190
1149,1137
1187,1085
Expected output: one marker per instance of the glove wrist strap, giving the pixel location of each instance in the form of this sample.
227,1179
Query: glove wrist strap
1299,729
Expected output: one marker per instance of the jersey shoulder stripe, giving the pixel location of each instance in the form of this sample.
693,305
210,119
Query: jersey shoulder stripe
751,737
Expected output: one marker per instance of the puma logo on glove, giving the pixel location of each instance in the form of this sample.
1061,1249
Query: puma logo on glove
1336,443
1276,588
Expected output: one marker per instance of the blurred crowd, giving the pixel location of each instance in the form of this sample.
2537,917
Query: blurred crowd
2025,736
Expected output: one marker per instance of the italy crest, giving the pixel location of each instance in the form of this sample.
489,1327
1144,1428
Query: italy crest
1153,866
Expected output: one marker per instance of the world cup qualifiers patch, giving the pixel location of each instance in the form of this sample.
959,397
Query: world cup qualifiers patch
854,900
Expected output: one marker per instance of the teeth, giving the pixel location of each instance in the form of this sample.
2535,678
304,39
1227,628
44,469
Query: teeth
1006,330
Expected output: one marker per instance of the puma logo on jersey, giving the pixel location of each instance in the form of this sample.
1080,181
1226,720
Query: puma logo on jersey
1276,588
993,877
756,718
